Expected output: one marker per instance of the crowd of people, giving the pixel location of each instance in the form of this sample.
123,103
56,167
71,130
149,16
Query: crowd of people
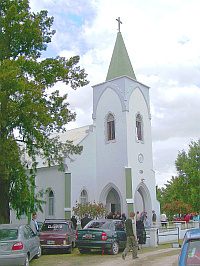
116,215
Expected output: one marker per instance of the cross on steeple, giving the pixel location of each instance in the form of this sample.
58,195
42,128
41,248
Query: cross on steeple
119,22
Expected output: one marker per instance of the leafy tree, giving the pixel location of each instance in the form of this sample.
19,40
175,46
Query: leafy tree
29,113
160,197
186,186
188,167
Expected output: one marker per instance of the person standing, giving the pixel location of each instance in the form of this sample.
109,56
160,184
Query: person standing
33,223
74,222
138,216
123,217
131,234
85,220
154,217
146,222
163,219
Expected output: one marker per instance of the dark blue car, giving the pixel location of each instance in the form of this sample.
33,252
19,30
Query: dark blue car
190,249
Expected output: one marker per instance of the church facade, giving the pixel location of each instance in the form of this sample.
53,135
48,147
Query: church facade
116,164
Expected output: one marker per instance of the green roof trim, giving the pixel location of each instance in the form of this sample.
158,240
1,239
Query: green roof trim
120,63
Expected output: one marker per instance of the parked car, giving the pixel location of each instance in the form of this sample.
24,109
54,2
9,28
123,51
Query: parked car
18,244
190,249
186,218
108,235
57,233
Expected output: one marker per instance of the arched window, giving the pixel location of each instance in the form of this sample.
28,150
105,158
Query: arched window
84,197
51,203
110,127
139,127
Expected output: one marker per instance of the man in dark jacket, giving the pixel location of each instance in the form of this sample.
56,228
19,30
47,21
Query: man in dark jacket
131,234
85,220
33,223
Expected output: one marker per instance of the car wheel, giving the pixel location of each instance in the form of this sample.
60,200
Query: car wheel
26,263
115,248
39,252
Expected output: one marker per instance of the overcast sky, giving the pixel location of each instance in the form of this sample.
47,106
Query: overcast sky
162,38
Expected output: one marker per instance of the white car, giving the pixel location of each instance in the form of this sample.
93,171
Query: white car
18,244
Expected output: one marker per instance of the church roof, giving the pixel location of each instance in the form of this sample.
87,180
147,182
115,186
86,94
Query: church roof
120,64
75,135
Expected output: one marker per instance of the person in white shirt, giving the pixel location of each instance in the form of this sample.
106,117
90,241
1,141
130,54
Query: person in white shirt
163,219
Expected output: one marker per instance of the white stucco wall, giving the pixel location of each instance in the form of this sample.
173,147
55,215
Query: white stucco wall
111,156
54,179
48,178
144,170
83,170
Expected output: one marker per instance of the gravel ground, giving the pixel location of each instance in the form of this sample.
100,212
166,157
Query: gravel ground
166,257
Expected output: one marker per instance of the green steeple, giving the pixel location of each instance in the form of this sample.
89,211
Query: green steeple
120,63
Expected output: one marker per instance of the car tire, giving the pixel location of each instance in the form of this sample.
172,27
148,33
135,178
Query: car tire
115,248
26,262
39,252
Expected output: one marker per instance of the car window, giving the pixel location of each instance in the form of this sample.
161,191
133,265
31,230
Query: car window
98,224
28,232
193,254
119,226
55,227
8,234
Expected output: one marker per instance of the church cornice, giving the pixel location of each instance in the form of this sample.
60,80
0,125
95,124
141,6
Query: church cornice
124,76
123,87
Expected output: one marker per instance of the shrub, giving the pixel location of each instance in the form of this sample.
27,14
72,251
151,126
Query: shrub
94,211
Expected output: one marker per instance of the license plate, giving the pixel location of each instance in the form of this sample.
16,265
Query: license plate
50,242
87,236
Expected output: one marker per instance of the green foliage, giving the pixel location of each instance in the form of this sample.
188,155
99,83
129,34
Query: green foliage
29,113
159,196
188,167
186,186
94,211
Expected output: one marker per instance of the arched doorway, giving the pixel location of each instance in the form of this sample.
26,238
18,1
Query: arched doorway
113,201
111,197
142,199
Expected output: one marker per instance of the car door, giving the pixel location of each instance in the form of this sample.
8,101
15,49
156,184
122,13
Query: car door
31,241
120,232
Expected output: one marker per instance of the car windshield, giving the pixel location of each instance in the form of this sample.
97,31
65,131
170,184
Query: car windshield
55,227
193,255
8,234
98,224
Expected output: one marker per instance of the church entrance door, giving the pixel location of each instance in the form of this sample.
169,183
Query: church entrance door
113,201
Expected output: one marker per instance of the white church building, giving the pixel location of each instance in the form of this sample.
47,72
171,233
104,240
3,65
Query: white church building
116,165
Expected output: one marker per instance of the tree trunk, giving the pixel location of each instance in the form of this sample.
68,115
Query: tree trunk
4,203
